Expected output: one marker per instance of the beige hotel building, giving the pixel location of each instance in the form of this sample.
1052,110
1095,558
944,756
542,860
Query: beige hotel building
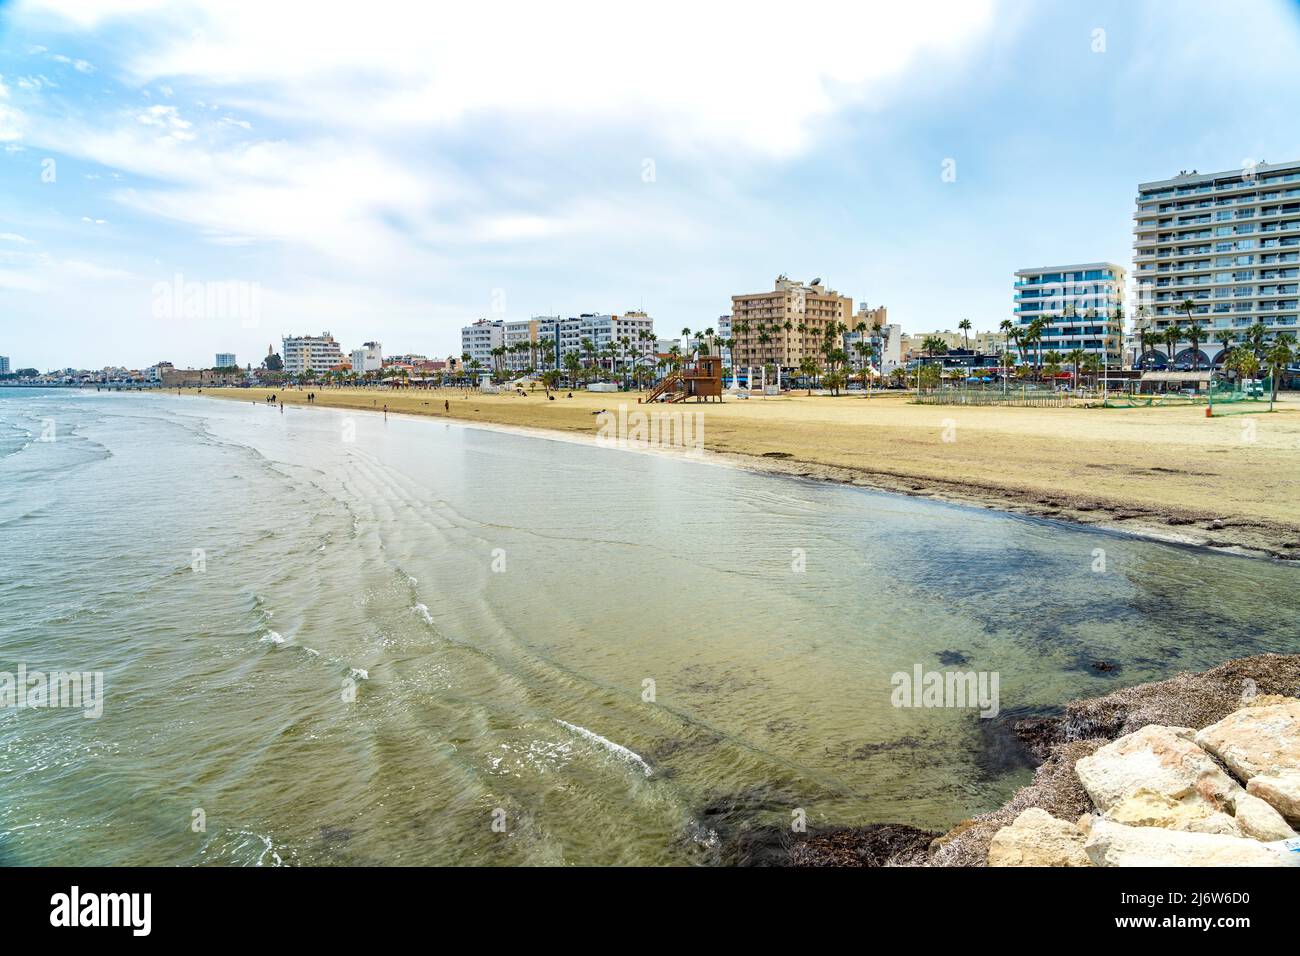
794,316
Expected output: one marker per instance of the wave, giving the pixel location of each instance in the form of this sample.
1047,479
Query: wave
608,744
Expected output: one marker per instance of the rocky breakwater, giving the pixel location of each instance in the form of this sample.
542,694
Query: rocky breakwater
1162,795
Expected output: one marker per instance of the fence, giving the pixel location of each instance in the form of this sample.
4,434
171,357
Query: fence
1019,395
1225,398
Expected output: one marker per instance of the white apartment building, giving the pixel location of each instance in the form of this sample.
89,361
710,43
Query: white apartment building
606,332
886,345
368,358
1081,306
316,352
4,365
555,337
1229,243
225,360
478,340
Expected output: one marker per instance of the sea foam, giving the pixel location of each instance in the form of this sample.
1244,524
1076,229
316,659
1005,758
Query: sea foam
607,744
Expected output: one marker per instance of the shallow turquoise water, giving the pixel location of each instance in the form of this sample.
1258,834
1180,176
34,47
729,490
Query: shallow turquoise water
500,603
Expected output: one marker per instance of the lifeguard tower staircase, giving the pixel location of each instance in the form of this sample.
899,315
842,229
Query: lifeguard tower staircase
701,381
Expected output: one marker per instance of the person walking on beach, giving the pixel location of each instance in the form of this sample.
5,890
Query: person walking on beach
446,406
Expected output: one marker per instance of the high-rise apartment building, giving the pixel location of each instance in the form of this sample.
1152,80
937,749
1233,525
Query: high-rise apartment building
1228,243
225,360
1081,307
782,326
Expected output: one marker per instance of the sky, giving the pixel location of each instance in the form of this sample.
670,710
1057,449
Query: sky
189,177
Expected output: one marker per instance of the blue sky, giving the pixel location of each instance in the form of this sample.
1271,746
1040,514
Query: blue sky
384,173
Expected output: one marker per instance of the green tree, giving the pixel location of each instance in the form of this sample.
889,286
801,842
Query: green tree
1280,355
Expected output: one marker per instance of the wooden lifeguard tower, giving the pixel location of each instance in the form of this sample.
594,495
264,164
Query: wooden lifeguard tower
700,381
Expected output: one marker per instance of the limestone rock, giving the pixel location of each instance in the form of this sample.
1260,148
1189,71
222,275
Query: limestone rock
1036,838
1281,791
1255,740
1164,760
1267,700
1258,819
1113,844
1148,808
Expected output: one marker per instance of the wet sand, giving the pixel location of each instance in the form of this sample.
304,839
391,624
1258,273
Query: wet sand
1170,473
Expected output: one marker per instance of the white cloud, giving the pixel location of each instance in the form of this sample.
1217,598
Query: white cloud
81,66
12,124
750,76
168,119
14,237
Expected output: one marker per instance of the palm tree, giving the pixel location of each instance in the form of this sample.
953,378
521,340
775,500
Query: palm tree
1075,358
571,365
1093,364
1148,340
964,325
1053,368
1195,333
1255,339
1280,356
1171,337
808,369
1224,339
1033,335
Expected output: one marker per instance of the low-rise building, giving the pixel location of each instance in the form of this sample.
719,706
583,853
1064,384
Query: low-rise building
368,358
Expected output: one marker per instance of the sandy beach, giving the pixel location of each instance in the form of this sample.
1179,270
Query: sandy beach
1170,473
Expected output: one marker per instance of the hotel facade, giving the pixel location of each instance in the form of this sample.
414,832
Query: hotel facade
1230,243
793,317
319,353
1080,307
555,337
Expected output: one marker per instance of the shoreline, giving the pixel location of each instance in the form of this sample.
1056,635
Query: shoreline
1084,726
1168,523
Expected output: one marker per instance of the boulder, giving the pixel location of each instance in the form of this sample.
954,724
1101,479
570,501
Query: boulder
1036,838
1164,760
1267,700
1113,844
1281,791
1258,819
1258,739
1147,808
